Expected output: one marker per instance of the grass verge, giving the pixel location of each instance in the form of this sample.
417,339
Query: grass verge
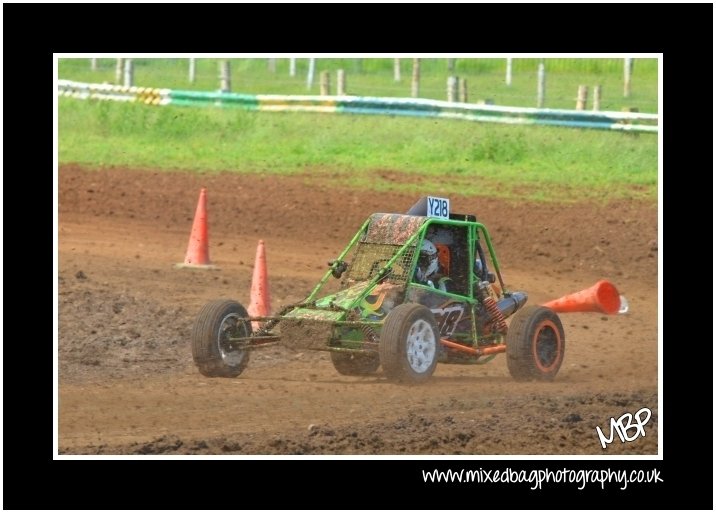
373,152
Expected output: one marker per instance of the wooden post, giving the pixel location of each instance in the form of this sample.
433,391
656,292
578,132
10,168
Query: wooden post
508,72
451,65
541,79
272,65
192,71
396,70
119,71
582,92
93,64
311,72
325,83
628,66
452,89
415,84
341,82
462,90
292,67
597,99
224,76
128,73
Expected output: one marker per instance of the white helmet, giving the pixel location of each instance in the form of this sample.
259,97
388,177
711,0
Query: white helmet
427,261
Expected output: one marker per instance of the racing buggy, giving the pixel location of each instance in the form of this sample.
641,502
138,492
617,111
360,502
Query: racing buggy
370,310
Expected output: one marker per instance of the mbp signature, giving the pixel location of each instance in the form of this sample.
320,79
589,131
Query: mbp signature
623,425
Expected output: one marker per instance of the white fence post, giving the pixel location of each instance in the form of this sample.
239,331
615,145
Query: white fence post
628,66
582,92
224,76
462,90
541,82
119,71
311,71
396,70
597,97
341,82
415,83
325,83
93,64
192,71
292,67
272,65
128,73
451,65
452,89
508,72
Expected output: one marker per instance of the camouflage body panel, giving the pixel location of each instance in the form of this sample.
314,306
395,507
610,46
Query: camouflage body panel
315,328
381,300
345,303
343,299
309,328
314,314
392,228
306,332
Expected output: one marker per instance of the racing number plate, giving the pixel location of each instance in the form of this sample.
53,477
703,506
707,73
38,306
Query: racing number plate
438,207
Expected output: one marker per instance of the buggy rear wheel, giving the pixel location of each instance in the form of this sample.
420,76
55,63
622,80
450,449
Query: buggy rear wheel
409,343
211,347
535,344
355,364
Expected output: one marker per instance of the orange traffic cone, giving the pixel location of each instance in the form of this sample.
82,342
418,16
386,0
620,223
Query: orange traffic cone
260,304
197,254
601,297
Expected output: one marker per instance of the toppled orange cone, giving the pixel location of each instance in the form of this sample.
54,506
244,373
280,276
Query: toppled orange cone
260,303
197,253
602,297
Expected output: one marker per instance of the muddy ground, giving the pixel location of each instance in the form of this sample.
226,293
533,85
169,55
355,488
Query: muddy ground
127,384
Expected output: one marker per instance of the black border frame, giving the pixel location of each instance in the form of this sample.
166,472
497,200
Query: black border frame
32,480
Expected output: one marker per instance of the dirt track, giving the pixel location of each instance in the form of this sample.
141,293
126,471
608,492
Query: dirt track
128,385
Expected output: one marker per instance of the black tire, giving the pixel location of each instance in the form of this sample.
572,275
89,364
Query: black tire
352,364
209,345
409,343
535,344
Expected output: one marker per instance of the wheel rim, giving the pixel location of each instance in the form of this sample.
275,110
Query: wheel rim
231,327
421,346
547,346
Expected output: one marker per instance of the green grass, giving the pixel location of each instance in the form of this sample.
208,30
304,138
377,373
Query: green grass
435,156
374,77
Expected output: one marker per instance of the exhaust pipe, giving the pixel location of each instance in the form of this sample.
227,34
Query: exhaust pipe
511,303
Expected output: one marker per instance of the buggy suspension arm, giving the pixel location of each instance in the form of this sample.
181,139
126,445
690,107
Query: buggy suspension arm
497,348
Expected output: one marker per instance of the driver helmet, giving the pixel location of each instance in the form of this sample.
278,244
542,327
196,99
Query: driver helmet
427,261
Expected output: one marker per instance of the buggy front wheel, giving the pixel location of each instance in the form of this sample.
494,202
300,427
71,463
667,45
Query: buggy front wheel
409,344
535,344
214,354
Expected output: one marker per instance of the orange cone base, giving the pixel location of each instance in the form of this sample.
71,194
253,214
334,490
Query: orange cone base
196,266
